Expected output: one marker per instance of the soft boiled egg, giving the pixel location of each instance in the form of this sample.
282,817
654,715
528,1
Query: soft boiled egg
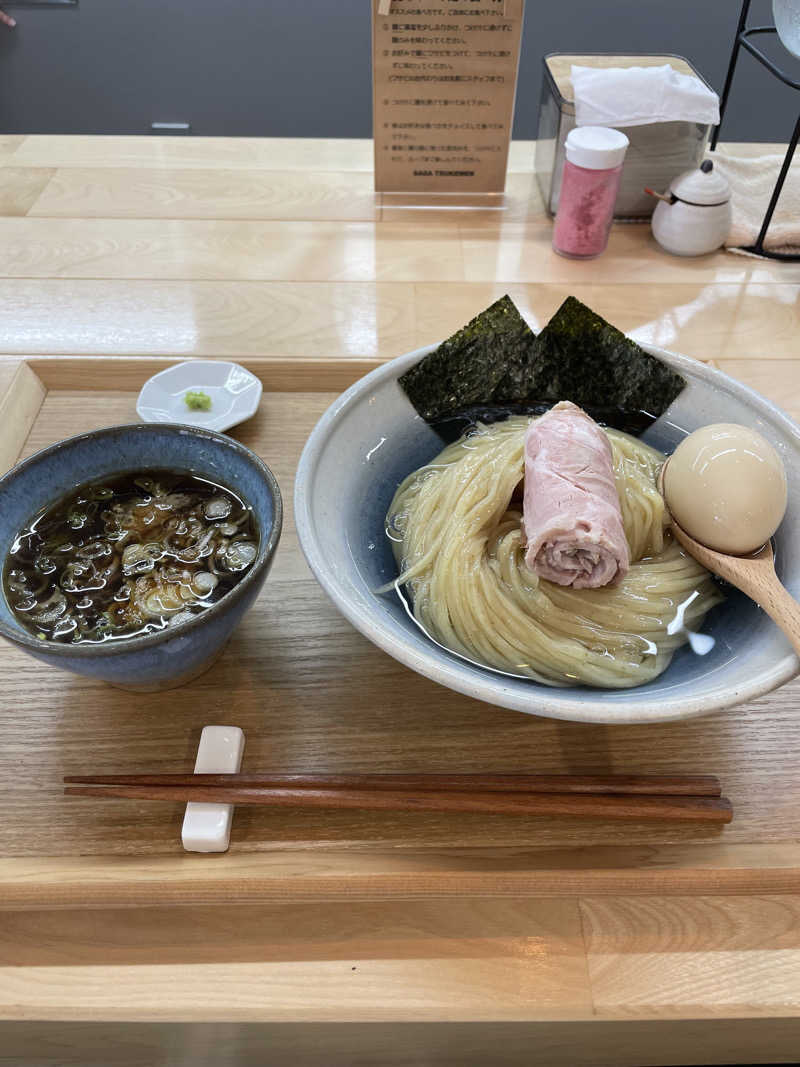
726,487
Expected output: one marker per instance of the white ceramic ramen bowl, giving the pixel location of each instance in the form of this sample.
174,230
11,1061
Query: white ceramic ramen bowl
371,438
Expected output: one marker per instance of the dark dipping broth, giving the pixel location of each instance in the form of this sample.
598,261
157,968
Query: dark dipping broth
129,555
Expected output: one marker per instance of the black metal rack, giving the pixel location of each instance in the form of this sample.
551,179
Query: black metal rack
743,40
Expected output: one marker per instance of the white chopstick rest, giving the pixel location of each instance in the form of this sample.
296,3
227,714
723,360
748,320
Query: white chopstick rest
207,827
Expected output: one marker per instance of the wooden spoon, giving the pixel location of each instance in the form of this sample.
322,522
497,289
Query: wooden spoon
754,575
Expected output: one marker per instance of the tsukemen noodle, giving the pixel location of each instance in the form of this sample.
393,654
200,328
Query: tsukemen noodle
129,555
456,527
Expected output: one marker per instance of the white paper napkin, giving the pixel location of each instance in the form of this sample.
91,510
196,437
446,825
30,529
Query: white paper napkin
636,96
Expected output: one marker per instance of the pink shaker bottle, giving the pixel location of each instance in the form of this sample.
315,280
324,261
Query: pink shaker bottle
589,185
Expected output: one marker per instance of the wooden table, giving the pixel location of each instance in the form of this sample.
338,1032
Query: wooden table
278,249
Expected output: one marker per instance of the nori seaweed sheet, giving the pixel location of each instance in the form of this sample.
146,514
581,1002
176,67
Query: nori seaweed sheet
497,363
580,357
465,369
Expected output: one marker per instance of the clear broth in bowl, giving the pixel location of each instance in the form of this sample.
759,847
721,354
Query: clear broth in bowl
128,555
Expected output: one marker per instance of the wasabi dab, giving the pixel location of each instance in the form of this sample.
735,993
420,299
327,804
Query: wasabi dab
196,400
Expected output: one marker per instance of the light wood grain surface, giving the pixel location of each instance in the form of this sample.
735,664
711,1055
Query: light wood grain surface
211,153
278,253
516,959
357,320
267,684
581,1043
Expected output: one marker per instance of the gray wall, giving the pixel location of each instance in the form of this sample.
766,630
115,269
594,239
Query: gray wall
263,67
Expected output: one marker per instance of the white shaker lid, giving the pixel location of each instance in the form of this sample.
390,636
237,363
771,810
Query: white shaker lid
596,147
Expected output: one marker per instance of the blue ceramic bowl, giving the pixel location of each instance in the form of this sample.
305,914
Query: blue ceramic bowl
371,438
171,657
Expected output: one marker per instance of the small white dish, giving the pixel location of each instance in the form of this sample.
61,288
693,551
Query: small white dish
235,394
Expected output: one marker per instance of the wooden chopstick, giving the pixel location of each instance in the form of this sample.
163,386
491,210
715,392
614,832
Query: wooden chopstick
587,805
620,784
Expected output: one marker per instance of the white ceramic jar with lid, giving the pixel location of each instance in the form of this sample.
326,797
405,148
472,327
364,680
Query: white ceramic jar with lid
694,215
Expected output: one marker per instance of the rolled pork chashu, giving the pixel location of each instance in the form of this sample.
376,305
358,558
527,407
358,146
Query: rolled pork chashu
572,519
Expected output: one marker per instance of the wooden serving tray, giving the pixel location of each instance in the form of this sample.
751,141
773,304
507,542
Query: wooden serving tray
313,694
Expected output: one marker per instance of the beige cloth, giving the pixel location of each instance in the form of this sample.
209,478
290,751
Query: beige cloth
752,182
